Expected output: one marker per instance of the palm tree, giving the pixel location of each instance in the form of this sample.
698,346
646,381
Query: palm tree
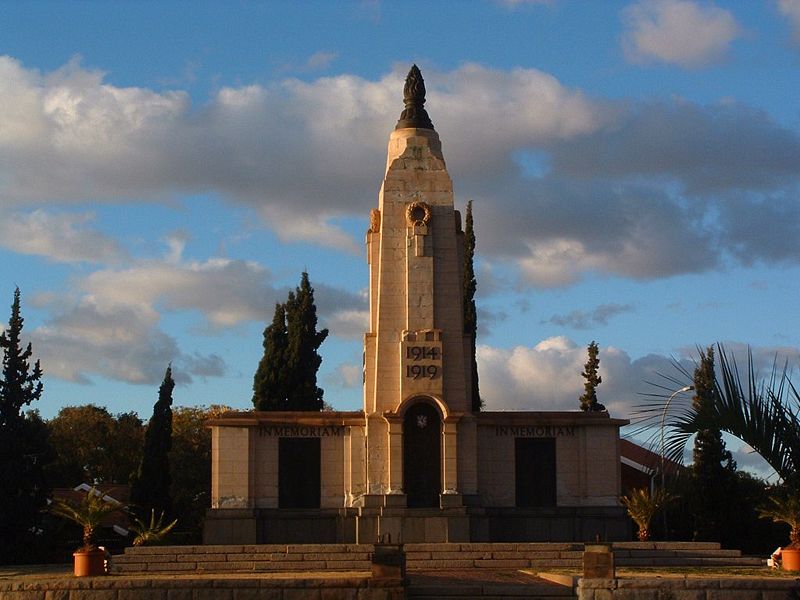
784,508
763,413
643,506
88,513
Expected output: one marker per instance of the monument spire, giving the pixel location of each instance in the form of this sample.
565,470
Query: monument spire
414,114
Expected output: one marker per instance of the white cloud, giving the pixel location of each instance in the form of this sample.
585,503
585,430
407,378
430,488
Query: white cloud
109,324
321,60
586,319
226,292
117,342
547,376
350,324
791,10
682,32
658,176
347,375
303,152
60,237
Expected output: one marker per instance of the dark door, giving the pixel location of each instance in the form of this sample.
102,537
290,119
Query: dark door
298,473
422,469
535,466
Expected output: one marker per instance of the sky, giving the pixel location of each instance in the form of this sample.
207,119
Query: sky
168,169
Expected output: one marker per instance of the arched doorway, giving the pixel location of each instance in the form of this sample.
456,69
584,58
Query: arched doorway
422,465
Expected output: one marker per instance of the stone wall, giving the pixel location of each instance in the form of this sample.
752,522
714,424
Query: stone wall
189,588
688,588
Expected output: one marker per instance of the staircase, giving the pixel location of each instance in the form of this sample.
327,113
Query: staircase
419,557
244,558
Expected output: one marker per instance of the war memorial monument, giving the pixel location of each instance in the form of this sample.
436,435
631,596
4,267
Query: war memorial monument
417,462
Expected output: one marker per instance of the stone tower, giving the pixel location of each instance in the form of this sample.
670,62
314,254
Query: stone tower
417,363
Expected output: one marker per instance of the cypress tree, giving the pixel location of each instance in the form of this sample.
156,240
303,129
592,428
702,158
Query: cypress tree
470,285
20,386
303,341
24,447
593,379
713,467
150,485
269,383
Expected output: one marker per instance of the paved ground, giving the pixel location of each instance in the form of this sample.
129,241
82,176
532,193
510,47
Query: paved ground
483,583
457,577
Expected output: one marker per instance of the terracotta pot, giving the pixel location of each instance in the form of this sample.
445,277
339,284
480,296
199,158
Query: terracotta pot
89,562
790,559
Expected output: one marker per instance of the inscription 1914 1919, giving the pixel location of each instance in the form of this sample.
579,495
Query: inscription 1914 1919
423,353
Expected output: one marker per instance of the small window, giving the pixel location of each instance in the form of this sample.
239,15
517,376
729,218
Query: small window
535,470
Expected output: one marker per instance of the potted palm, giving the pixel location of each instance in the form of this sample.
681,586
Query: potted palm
89,512
785,508
643,506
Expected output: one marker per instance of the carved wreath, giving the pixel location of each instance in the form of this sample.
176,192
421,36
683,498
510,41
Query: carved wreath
418,213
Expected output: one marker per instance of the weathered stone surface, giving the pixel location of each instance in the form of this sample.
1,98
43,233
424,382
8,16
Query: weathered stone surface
142,594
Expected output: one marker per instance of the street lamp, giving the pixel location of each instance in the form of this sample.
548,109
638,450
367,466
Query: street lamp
685,388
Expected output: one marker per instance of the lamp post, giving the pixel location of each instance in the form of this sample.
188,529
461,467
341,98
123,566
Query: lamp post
685,388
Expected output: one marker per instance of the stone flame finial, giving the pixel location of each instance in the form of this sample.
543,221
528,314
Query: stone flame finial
414,114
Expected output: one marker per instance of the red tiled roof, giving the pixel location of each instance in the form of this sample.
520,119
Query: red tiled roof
648,460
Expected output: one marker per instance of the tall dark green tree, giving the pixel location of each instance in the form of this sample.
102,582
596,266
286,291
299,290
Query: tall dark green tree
593,379
470,285
20,385
302,358
713,467
24,447
269,383
286,378
150,486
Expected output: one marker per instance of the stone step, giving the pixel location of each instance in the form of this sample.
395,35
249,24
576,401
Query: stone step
419,557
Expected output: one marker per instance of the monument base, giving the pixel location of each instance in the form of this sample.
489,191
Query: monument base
412,525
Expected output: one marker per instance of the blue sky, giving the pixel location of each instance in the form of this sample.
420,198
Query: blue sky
167,170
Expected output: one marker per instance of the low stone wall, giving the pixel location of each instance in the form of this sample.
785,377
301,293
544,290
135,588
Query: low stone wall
172,588
688,588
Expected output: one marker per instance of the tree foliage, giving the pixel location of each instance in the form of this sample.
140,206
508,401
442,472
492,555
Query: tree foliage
470,285
762,412
24,446
713,468
150,487
93,446
190,467
784,507
20,385
269,383
590,373
286,378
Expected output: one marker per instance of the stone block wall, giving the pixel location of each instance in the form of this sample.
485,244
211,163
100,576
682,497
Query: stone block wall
688,588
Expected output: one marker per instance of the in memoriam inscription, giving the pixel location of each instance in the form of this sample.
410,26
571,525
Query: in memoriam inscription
300,430
544,431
